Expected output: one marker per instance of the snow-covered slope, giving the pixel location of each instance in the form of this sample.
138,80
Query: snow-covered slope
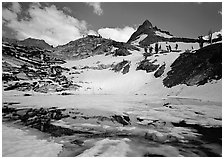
106,81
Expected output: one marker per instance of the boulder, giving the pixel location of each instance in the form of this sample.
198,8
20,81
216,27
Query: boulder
160,71
122,119
118,67
122,52
126,69
147,66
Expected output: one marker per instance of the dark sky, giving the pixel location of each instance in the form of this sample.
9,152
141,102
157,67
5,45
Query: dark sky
183,19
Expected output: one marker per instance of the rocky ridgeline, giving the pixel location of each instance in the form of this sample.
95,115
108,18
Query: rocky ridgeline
148,29
29,42
92,45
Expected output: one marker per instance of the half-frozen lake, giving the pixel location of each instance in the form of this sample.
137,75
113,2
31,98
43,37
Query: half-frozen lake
158,126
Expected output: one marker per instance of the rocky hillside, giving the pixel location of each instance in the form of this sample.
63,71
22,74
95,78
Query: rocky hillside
32,69
29,42
196,69
91,45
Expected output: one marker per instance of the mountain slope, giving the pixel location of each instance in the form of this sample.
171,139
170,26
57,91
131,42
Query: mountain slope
147,34
102,74
37,43
89,46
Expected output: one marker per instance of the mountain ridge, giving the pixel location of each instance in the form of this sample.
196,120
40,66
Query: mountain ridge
29,42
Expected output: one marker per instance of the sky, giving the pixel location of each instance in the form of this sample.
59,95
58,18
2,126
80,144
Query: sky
61,22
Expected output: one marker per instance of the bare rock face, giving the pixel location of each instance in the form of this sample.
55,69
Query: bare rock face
160,71
147,24
147,66
196,69
122,52
122,66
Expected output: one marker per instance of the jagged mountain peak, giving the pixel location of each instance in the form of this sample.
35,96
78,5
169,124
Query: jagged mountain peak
146,24
147,34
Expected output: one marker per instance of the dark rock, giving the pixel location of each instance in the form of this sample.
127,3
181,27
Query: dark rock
66,93
124,120
166,104
74,67
77,142
139,119
118,67
122,52
148,154
147,66
160,71
9,77
126,69
7,110
196,68
210,134
27,94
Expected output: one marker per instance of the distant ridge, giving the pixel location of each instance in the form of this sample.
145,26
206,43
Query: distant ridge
29,42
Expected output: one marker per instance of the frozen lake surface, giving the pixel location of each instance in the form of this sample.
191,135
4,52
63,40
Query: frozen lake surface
158,118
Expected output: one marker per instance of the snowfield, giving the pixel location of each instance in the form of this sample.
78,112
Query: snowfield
107,81
18,143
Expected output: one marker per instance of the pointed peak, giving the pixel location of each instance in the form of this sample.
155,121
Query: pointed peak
147,24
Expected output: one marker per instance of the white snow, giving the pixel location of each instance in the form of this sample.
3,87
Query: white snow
139,39
214,35
163,34
108,148
18,143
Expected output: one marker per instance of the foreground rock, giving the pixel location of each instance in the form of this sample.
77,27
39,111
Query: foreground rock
196,68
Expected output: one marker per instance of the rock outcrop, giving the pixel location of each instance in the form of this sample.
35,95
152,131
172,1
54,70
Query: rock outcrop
196,68
147,66
122,66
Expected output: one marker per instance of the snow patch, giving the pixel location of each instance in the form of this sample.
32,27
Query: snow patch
108,148
163,34
139,39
